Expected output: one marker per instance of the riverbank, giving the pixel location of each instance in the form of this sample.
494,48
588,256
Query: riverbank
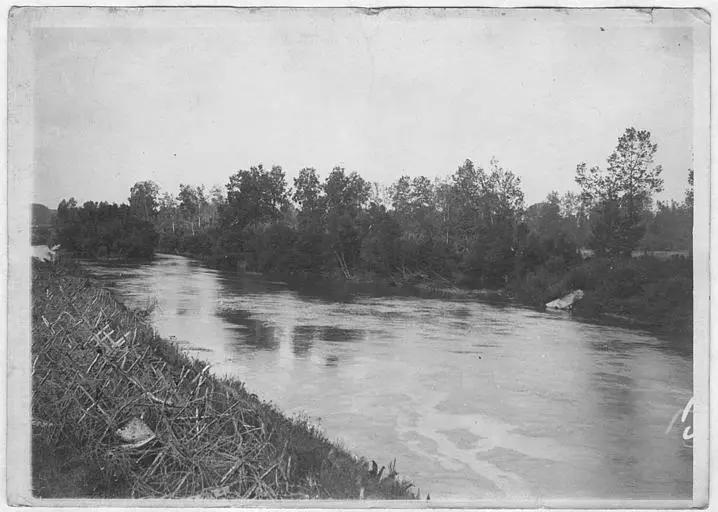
646,292
119,413
417,282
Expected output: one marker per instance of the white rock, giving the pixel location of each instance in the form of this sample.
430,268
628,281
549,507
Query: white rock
566,301
44,253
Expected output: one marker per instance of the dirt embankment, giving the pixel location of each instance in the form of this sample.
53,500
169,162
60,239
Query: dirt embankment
118,412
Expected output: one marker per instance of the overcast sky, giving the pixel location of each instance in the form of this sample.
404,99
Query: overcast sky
192,96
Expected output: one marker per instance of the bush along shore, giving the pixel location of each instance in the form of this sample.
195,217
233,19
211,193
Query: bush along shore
645,292
118,412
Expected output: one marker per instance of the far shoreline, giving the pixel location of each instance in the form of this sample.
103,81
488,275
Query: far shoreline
439,288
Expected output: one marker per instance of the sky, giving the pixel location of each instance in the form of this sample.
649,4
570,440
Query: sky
194,95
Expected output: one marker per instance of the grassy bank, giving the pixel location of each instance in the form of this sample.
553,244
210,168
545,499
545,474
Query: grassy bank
99,368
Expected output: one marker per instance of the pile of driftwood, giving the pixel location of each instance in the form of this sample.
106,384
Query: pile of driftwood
105,386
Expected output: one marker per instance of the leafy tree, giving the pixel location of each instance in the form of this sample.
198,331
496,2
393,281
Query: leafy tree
414,202
502,203
217,201
309,196
193,206
256,199
144,200
311,243
465,196
486,209
545,238
621,194
445,207
255,196
381,249
401,196
346,196
545,218
167,211
168,223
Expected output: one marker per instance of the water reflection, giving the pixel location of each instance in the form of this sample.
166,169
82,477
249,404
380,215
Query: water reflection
253,332
474,400
303,337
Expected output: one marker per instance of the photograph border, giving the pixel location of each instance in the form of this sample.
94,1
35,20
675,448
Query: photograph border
19,157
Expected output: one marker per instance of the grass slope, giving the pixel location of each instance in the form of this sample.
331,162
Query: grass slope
98,365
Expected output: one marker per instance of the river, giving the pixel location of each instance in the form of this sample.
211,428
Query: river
474,400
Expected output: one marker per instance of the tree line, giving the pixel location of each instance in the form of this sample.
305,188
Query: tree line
99,230
471,227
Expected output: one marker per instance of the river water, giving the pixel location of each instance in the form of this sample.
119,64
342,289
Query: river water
474,400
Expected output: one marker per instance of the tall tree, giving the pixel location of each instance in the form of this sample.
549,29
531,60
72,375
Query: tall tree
346,197
309,196
501,206
414,201
547,238
255,196
466,197
217,200
189,204
143,200
621,193
168,222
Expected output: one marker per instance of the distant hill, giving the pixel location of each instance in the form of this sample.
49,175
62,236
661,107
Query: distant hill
42,216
